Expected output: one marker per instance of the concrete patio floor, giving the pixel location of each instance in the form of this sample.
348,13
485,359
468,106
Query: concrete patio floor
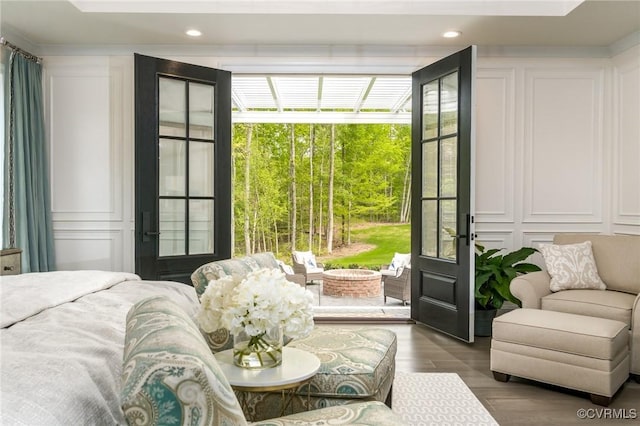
360,307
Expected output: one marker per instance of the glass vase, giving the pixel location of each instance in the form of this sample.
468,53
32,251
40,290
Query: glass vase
258,352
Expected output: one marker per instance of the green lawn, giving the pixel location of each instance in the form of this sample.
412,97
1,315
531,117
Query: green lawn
388,240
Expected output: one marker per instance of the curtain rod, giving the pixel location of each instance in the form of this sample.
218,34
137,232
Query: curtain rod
23,52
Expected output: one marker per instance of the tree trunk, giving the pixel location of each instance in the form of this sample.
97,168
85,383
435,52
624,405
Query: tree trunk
312,136
292,173
320,207
406,194
275,238
247,189
332,148
233,225
254,230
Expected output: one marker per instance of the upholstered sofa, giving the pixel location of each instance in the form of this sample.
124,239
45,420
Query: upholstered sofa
617,258
357,364
171,377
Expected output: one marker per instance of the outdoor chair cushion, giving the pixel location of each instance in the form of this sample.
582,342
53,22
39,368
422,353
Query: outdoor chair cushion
306,258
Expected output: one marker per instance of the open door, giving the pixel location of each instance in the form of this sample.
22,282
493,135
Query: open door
183,167
442,259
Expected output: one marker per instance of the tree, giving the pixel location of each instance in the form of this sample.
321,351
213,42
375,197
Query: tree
247,188
332,155
294,200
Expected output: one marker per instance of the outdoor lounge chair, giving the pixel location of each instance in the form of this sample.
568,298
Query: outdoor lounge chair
396,278
290,275
304,262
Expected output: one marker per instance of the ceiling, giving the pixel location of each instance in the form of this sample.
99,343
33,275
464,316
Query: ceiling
55,23
309,34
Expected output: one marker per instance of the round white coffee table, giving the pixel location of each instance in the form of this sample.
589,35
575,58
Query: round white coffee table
298,367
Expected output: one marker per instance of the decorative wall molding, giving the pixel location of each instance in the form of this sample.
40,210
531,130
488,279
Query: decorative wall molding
79,128
495,145
626,140
88,249
563,145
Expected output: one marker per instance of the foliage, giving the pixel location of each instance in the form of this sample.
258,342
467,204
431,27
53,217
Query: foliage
494,273
371,163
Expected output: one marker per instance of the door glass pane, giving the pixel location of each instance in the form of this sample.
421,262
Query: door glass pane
449,229
172,217
430,110
430,228
201,169
200,111
172,110
200,226
172,167
448,167
430,169
449,104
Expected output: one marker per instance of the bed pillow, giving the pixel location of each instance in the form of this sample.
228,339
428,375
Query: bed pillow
571,266
169,374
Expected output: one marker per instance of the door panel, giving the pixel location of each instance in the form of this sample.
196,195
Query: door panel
442,208
183,174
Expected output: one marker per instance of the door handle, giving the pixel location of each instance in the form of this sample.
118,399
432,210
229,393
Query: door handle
147,233
468,236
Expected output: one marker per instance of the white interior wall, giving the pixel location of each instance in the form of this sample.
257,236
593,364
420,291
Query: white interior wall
558,148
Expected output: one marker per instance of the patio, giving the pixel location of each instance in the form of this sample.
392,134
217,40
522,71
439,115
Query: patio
363,308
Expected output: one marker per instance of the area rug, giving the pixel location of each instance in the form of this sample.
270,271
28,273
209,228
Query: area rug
437,399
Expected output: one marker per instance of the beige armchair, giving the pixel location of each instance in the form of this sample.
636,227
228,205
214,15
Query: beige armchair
617,260
304,262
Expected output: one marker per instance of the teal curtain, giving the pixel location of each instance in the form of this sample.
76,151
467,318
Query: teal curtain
27,189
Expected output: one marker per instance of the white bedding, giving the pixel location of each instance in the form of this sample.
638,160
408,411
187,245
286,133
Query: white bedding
61,350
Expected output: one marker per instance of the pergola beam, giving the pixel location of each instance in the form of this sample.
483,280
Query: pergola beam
324,117
406,97
320,85
274,93
236,100
364,95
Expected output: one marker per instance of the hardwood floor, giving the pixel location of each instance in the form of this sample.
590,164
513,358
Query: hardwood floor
518,402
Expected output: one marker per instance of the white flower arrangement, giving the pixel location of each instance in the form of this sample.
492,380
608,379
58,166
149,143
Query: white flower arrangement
262,300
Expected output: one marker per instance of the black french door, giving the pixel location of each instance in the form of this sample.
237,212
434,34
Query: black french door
442,207
182,167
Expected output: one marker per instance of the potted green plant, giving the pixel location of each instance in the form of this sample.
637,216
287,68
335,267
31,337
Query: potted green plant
494,272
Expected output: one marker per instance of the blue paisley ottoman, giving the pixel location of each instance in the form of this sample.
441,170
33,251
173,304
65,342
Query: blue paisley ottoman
356,364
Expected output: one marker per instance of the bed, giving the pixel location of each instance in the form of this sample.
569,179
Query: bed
62,340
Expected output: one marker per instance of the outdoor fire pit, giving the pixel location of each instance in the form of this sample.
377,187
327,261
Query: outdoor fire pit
351,282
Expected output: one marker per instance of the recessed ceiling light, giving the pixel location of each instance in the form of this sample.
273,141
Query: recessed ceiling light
451,34
193,33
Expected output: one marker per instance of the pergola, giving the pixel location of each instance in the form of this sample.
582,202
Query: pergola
321,99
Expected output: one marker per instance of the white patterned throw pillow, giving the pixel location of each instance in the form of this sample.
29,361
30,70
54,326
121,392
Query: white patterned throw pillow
571,266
